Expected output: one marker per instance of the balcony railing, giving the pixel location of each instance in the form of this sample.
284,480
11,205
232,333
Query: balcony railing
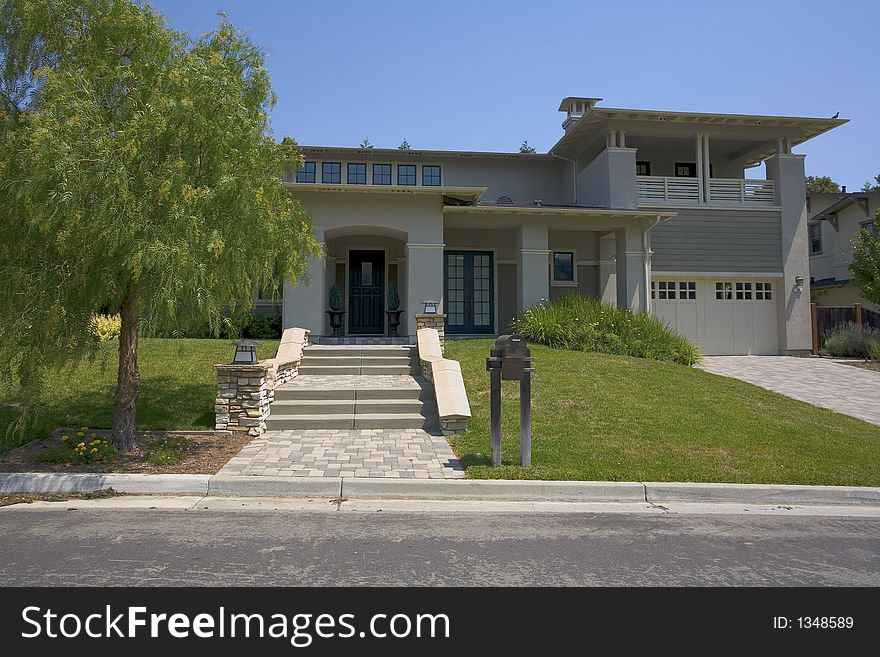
733,191
722,191
663,189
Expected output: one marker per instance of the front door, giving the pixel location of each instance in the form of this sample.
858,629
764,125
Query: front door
469,290
366,292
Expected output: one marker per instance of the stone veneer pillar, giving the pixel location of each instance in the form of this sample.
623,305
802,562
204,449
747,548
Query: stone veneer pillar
244,393
435,321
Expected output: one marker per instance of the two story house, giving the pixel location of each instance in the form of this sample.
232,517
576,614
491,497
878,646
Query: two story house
834,220
648,210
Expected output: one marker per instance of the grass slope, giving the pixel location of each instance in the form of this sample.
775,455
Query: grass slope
178,388
603,417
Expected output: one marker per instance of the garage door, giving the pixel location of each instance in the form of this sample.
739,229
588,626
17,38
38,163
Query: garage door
723,315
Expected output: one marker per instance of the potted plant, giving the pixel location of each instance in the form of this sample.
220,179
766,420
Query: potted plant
393,311
336,313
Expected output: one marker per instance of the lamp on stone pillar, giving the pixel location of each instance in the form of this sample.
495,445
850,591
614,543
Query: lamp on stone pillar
245,352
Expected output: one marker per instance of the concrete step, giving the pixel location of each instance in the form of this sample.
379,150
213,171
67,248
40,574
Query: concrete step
349,361
336,370
359,351
283,393
350,421
345,406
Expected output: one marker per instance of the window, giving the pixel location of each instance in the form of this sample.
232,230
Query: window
870,226
723,291
331,172
643,168
666,290
743,291
357,173
381,174
687,290
686,169
306,173
406,174
430,174
815,231
563,267
763,291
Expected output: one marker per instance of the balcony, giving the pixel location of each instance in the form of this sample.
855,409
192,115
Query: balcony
665,190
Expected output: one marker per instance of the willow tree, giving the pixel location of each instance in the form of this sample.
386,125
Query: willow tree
138,175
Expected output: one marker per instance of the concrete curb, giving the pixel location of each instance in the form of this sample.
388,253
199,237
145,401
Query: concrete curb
494,489
52,482
439,489
260,486
660,492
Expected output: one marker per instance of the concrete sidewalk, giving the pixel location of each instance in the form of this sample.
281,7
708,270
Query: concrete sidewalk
658,493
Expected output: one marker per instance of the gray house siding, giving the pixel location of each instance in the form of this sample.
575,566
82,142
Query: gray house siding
706,239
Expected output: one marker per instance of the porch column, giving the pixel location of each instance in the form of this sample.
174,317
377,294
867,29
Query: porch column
424,280
631,267
607,269
533,272
304,305
795,325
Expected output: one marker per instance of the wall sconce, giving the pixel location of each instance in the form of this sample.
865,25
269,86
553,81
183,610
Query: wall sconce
798,284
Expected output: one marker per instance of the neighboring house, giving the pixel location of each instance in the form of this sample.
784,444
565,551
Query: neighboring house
834,220
649,210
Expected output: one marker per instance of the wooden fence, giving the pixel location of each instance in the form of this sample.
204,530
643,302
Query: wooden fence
826,318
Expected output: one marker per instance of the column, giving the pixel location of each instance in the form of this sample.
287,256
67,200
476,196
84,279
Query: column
305,302
793,307
607,269
424,272
533,272
632,288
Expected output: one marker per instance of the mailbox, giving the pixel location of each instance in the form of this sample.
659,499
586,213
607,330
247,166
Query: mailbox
511,360
515,356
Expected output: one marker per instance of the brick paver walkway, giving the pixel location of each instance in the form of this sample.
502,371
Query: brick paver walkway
393,453
818,381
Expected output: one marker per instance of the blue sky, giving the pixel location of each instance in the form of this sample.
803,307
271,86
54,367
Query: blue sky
484,75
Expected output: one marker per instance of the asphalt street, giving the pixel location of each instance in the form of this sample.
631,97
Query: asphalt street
246,542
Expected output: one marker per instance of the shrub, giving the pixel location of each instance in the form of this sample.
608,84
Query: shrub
107,327
874,351
850,339
584,324
88,449
262,327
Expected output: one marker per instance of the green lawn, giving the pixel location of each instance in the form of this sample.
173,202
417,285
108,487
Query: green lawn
601,417
177,388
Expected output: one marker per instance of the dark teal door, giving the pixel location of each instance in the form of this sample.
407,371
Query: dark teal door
366,292
469,292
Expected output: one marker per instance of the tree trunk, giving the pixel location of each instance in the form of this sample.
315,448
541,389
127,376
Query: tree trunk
129,381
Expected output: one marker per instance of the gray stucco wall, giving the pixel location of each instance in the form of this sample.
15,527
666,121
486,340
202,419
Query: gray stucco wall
506,300
707,239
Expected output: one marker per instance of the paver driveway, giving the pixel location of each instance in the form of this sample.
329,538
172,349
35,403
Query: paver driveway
818,381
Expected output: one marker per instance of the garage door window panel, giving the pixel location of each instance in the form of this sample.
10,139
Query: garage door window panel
743,291
763,291
723,291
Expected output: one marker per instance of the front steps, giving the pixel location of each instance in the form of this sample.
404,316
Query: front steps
357,359
355,387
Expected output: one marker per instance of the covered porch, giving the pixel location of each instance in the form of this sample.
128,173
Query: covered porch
488,263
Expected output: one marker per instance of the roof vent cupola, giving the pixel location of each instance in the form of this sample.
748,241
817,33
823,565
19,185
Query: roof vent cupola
574,109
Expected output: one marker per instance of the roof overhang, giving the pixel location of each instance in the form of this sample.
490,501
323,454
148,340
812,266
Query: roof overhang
830,213
540,211
597,120
466,194
405,154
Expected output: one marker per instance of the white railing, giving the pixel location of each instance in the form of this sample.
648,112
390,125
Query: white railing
722,191
733,191
661,189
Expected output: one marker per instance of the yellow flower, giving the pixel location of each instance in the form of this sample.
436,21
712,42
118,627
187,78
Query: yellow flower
83,428
80,433
65,438
94,435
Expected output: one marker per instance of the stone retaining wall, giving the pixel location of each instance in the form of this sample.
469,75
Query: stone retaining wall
245,392
433,321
